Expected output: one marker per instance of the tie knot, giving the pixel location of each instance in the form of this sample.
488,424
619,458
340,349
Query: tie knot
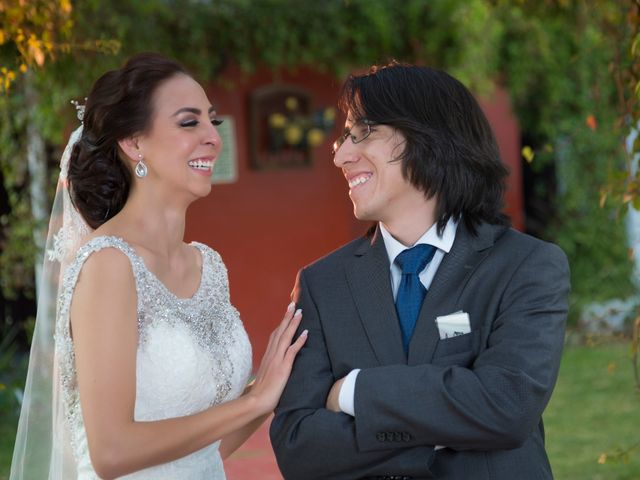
413,260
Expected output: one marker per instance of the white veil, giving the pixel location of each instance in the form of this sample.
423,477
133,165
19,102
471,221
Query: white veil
42,448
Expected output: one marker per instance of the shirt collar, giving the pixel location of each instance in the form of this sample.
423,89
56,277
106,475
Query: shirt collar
442,242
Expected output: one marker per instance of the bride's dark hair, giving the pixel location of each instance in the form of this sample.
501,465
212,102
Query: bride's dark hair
118,106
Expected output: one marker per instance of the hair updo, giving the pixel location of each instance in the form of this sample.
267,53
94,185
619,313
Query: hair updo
118,106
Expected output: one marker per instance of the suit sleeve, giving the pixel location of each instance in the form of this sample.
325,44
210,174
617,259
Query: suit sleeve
311,442
498,400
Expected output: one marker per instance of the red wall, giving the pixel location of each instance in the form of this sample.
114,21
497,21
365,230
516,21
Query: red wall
505,126
268,224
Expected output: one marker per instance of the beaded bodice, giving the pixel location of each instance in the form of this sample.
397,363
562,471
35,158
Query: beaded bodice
192,353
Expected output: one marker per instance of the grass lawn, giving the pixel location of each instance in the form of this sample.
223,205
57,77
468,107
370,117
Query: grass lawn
594,409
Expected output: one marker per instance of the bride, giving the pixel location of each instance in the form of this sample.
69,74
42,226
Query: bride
147,375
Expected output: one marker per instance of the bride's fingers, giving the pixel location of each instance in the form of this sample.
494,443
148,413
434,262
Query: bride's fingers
295,347
275,345
286,336
286,319
277,332
281,338
291,320
288,314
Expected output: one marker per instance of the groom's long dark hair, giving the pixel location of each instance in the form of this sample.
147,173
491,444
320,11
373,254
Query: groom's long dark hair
450,151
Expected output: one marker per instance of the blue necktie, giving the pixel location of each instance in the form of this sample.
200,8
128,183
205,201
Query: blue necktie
411,292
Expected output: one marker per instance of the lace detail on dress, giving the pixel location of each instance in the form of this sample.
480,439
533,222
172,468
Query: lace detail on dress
192,353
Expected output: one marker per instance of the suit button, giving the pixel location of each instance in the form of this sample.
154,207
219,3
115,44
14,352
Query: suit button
381,437
405,438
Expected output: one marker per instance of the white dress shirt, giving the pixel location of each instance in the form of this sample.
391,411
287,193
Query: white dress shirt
394,248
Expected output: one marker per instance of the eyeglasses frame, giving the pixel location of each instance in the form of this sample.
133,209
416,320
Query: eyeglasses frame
343,138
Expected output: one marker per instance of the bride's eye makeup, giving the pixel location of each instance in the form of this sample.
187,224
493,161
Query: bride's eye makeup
189,123
193,117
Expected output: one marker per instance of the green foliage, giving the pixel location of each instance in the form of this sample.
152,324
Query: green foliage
553,56
13,368
556,59
560,60
32,32
16,245
334,35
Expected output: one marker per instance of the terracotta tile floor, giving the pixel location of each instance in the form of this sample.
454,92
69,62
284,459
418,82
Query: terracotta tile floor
254,460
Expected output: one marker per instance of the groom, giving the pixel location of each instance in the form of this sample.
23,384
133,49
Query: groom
434,342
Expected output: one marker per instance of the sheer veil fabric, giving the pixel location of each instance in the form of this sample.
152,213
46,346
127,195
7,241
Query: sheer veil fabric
42,449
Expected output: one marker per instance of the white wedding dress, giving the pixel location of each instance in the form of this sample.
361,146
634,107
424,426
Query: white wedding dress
192,353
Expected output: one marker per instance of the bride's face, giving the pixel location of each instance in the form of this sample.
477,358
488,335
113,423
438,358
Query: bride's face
181,147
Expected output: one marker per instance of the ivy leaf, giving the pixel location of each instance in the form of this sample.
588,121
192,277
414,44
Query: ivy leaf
636,147
603,198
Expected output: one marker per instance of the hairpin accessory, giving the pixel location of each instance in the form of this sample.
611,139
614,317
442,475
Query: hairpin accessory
79,108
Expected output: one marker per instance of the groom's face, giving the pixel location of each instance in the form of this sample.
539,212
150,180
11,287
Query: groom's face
373,170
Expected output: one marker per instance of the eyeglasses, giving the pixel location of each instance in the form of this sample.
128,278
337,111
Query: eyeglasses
358,132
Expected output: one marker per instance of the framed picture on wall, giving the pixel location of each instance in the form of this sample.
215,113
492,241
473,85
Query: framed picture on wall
226,167
284,127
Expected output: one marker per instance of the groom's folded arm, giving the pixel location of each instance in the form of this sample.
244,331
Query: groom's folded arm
311,442
499,399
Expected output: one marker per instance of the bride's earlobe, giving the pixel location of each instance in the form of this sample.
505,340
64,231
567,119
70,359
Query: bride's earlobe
131,153
130,147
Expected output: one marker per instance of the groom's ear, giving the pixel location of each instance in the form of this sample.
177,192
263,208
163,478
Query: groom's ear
130,149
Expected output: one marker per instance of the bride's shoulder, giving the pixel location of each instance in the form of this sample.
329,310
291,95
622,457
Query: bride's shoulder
204,248
109,254
209,254
100,263
104,244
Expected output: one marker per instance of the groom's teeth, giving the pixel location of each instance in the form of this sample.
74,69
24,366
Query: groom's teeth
359,180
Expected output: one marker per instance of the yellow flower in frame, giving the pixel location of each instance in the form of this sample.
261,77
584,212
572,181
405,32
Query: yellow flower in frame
315,137
291,103
293,134
277,120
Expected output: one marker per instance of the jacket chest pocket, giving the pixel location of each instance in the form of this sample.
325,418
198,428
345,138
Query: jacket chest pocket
460,350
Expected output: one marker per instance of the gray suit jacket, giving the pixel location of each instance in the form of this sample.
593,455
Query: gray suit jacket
481,394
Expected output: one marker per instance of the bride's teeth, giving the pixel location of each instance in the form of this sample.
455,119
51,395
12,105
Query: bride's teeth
201,164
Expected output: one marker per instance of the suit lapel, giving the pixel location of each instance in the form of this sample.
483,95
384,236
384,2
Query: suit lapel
368,278
454,271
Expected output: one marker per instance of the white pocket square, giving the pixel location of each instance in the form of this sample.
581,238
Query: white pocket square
453,325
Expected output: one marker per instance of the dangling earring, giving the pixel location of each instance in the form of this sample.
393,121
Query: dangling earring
141,168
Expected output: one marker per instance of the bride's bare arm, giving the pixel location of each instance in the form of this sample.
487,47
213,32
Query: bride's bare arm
233,440
105,335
